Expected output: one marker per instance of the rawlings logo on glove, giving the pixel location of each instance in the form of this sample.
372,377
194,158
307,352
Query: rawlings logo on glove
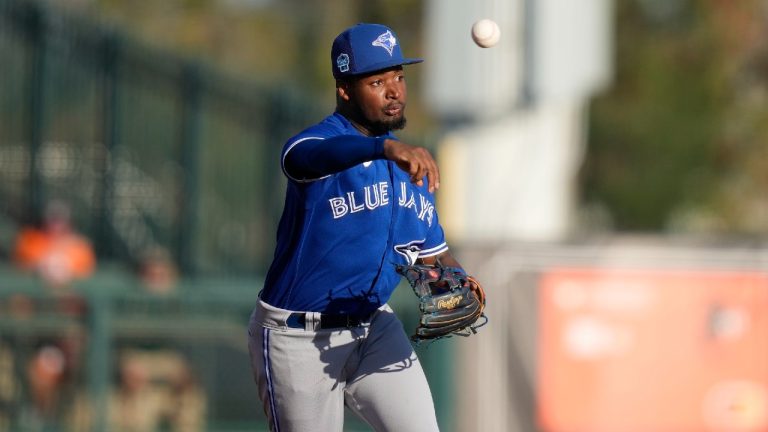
450,301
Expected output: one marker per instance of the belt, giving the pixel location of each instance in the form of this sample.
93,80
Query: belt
328,321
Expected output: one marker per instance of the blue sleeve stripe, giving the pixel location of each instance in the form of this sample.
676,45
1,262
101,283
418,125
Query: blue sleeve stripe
291,146
437,250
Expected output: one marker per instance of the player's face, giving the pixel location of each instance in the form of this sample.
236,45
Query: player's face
381,98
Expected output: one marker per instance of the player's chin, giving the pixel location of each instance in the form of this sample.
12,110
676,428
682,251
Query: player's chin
394,122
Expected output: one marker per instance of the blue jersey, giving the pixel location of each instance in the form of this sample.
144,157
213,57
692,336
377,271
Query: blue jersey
341,235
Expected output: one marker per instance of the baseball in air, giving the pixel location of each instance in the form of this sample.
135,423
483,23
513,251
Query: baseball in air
485,33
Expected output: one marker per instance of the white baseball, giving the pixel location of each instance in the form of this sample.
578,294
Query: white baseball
486,33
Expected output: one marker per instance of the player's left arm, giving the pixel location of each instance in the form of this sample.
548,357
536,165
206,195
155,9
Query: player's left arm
445,259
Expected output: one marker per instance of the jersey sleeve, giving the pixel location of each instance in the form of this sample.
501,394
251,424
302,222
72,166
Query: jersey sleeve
309,158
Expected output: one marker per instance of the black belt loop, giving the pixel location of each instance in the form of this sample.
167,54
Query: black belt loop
296,320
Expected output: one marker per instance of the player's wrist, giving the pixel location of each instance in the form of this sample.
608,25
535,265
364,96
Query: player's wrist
378,147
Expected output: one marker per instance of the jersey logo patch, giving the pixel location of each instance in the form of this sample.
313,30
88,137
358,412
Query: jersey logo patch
367,164
410,250
387,41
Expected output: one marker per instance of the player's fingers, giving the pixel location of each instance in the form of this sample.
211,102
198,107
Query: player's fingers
417,179
432,182
431,171
418,162
416,171
433,176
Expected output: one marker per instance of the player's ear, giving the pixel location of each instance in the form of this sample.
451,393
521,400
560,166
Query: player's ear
343,90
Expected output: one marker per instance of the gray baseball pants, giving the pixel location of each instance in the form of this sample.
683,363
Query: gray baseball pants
306,376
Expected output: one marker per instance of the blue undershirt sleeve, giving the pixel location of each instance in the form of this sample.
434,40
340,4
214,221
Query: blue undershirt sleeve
315,158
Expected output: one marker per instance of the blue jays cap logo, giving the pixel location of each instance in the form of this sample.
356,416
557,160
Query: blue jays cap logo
342,62
387,41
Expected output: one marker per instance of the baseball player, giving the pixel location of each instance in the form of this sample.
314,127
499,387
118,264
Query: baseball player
358,202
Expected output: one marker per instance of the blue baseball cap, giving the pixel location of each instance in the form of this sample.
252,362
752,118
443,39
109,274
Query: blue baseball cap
365,48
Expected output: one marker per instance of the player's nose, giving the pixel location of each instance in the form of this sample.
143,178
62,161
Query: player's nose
393,90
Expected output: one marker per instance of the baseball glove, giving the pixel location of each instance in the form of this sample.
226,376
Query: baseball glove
450,301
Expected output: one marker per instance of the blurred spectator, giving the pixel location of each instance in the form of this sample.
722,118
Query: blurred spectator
54,250
156,392
157,272
45,373
136,405
188,403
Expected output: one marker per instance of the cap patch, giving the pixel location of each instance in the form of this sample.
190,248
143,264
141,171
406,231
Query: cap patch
342,62
387,41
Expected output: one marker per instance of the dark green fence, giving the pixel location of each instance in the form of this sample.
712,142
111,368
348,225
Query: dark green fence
202,322
149,149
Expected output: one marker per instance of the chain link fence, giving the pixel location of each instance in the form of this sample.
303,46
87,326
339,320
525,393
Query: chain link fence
148,148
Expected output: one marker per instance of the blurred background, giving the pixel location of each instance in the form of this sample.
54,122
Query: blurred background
603,173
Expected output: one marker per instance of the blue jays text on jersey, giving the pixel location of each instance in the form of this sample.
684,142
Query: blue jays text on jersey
376,195
341,234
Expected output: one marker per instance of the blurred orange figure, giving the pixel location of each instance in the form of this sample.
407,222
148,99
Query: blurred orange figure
55,250
46,372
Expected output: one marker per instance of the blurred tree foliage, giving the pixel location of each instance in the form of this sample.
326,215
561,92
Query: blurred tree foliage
680,142
269,41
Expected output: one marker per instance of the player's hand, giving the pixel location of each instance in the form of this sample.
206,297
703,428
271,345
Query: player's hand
416,161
